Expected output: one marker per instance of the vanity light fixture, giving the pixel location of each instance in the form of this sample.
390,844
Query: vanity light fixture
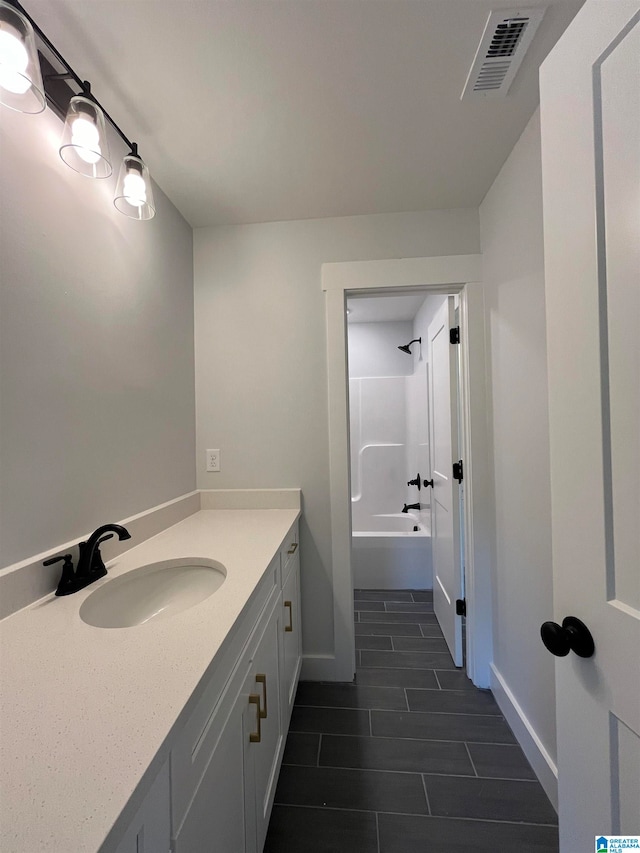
134,196
21,86
29,81
84,144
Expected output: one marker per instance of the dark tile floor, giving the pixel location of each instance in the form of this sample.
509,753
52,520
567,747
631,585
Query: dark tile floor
410,758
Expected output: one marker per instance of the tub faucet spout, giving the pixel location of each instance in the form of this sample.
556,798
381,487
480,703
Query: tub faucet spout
407,507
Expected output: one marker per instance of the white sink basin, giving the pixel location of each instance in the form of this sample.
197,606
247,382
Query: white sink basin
155,591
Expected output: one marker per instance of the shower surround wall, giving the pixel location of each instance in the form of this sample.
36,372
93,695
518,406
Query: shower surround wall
385,416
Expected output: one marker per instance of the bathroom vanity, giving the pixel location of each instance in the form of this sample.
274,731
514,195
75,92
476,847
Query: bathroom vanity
166,736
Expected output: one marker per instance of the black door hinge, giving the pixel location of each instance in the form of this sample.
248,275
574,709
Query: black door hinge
457,471
461,607
454,335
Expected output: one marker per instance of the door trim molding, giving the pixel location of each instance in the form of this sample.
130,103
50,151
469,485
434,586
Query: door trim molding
445,274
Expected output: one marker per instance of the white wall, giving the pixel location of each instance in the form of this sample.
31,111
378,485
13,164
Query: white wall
512,247
373,349
96,348
261,375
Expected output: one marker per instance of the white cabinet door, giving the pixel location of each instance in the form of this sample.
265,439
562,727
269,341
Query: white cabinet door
590,118
445,505
150,830
267,753
215,822
292,639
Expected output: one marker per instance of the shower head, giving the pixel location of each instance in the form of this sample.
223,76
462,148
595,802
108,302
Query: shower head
407,347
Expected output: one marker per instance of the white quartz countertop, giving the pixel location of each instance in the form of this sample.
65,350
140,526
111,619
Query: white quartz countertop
84,711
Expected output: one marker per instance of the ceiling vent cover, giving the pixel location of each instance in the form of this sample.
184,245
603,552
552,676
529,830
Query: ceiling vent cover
505,41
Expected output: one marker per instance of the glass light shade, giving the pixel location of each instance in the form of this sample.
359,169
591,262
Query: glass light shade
134,194
21,85
84,144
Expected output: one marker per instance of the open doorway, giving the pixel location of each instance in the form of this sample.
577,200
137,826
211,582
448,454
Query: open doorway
407,527
445,275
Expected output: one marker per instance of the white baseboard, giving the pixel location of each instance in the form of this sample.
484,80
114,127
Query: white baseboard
318,668
543,765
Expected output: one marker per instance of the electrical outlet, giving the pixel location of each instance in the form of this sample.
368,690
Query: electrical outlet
213,460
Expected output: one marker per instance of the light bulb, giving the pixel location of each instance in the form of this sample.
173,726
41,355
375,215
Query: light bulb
13,63
84,132
135,189
85,136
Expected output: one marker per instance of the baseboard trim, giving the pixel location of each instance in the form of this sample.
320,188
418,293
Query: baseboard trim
318,668
250,498
543,765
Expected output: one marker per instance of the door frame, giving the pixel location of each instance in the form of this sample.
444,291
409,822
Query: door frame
443,274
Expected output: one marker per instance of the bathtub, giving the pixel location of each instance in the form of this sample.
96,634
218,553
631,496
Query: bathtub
387,553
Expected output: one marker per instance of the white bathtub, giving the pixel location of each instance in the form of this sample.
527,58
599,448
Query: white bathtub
387,553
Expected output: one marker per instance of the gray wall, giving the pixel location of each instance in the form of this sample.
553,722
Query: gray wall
513,266
96,348
261,376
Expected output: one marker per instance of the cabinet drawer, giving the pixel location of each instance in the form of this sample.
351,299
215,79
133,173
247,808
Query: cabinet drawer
199,736
288,550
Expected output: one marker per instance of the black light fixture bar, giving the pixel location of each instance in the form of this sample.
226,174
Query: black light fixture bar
56,94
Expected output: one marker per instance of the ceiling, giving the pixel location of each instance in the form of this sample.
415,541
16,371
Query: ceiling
384,308
264,110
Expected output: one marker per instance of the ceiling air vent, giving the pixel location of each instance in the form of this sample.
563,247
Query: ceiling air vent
506,38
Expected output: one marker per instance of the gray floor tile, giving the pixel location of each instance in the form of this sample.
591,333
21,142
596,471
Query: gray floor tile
405,834
422,595
381,677
420,618
403,607
376,753
371,606
420,644
407,660
489,799
354,749
454,680
376,643
350,696
301,748
293,829
389,629
366,790
502,761
432,630
340,721
460,727
382,595
453,701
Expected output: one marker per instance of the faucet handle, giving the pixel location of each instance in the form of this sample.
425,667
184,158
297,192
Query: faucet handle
66,557
67,582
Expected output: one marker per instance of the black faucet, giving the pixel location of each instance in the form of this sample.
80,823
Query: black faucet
407,507
90,564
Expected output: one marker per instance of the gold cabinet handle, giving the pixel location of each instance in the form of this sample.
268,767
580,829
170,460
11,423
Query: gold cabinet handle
288,628
292,550
262,679
256,737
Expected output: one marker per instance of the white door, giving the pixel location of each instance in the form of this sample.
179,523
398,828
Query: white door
590,114
445,507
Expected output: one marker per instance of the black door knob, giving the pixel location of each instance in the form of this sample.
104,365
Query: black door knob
572,636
